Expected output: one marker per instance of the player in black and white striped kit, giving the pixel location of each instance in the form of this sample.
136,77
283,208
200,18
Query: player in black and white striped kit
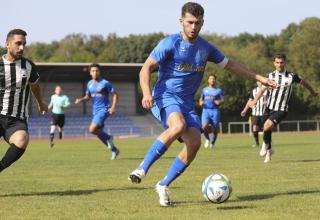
17,77
277,102
257,112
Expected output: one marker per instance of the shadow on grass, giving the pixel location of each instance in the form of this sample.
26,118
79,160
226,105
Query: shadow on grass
271,195
299,161
141,158
73,192
217,206
235,207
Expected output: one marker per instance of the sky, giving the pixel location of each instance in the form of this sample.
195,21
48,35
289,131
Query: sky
47,21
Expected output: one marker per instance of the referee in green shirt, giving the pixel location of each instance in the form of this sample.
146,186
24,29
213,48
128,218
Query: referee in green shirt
58,103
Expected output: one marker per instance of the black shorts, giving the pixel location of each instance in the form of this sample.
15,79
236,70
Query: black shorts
275,116
9,125
257,120
57,119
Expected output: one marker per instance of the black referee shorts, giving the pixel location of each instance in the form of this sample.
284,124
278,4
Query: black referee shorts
275,116
9,125
57,119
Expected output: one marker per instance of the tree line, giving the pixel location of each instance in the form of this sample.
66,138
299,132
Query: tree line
300,42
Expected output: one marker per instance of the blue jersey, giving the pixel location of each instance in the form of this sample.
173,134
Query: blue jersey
181,67
99,93
208,96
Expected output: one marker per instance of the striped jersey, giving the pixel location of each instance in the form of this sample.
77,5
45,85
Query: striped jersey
278,98
258,110
15,78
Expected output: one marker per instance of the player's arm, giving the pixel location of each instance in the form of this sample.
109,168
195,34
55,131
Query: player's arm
148,67
252,103
35,88
50,104
201,101
219,102
82,99
245,109
307,85
115,99
66,103
241,70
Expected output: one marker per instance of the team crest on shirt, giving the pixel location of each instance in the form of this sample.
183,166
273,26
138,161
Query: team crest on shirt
23,73
182,49
99,88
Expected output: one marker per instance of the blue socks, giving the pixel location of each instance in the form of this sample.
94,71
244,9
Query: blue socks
206,135
213,139
177,167
156,150
104,137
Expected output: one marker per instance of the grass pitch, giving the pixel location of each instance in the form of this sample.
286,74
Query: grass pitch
77,180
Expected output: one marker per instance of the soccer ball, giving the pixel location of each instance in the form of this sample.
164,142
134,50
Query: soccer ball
216,188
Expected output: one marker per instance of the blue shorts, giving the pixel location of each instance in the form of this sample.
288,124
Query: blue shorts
191,117
211,116
99,118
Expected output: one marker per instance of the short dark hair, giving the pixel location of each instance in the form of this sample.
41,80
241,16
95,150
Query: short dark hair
215,77
280,56
193,8
94,65
16,32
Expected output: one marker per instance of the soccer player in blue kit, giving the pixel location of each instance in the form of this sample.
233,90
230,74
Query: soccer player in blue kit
98,90
211,98
181,59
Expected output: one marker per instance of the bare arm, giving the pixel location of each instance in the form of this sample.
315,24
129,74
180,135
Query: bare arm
35,88
50,105
245,109
145,75
201,101
241,70
259,94
83,99
219,102
115,98
309,87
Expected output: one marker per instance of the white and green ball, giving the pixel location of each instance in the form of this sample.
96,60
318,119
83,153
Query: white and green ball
216,188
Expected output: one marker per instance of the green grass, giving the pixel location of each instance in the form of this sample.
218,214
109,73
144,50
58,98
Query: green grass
77,180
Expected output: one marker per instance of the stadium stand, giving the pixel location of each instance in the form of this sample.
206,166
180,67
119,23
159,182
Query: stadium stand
77,126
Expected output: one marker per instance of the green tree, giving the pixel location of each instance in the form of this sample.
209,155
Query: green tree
41,52
303,56
2,50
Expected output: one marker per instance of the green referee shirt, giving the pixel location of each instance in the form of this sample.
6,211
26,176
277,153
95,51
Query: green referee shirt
59,103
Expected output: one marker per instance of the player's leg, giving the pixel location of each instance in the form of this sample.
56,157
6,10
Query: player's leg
52,129
192,139
61,125
60,130
267,131
17,136
205,128
53,124
205,120
275,118
96,128
173,119
215,118
255,130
